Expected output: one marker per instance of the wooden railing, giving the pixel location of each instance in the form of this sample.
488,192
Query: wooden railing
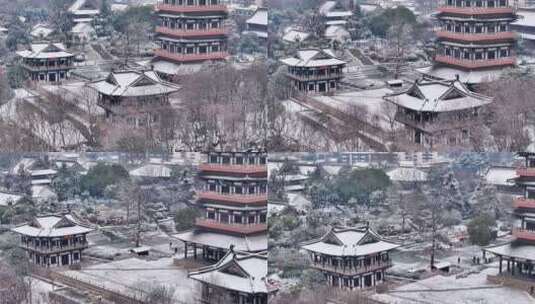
190,8
235,228
475,11
525,171
191,57
52,249
233,198
241,169
474,37
524,234
191,33
522,202
352,270
473,64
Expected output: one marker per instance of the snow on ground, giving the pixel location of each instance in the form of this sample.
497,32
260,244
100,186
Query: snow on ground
472,289
40,290
371,100
132,276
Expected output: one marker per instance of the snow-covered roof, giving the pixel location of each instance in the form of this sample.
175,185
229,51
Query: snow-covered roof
43,172
7,198
295,36
298,201
520,251
171,68
41,30
526,18
52,226
238,271
407,174
501,176
468,76
83,7
42,192
333,9
83,28
151,170
313,58
257,33
254,243
344,241
260,17
133,83
336,31
25,163
438,96
44,51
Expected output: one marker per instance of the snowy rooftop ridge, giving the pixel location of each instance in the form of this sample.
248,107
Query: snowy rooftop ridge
260,17
133,83
313,58
52,226
45,50
240,271
438,96
349,241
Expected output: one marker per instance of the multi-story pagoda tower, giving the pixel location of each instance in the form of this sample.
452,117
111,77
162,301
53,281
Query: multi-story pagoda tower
190,31
233,201
519,254
474,39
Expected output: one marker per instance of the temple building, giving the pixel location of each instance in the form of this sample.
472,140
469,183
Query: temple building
47,62
237,278
516,258
351,257
84,11
474,40
189,32
233,201
135,96
314,71
258,23
53,240
438,112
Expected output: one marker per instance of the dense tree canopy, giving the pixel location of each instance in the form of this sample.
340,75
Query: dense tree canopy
185,218
480,229
101,176
381,23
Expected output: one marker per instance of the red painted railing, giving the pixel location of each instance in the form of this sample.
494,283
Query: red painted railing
190,57
524,234
191,33
190,8
522,202
233,198
525,171
474,64
233,228
241,169
475,11
476,37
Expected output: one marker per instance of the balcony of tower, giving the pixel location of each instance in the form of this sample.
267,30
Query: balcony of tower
524,203
181,33
476,64
234,228
351,270
525,171
524,234
476,37
256,170
476,11
195,57
233,199
193,8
